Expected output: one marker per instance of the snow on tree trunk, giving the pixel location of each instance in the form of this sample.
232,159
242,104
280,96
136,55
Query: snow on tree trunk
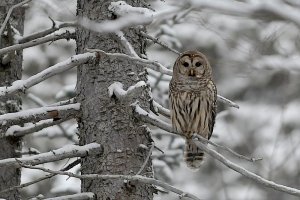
107,120
9,72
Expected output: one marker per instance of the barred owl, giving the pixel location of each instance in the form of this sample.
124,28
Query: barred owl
193,96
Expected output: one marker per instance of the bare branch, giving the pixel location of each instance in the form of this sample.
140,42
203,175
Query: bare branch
155,40
79,196
22,85
38,114
244,172
139,178
68,151
50,38
8,16
56,26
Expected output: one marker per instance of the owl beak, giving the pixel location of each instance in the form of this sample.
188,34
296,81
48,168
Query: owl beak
192,72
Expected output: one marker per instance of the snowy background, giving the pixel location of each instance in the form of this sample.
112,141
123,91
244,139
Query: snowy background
256,63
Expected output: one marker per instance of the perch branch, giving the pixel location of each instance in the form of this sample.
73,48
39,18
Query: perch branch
244,172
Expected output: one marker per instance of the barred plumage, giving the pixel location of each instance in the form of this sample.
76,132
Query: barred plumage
193,97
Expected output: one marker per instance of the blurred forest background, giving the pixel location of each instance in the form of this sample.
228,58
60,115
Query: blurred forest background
256,63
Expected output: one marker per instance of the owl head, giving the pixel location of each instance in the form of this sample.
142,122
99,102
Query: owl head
192,64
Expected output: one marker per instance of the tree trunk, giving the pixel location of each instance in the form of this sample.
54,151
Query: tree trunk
109,121
9,72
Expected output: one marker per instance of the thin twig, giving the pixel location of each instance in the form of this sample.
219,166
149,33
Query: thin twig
204,140
155,40
147,159
138,178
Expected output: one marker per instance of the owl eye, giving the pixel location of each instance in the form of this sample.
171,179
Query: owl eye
186,64
198,64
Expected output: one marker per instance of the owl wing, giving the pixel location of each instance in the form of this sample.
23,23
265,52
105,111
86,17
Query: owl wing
213,91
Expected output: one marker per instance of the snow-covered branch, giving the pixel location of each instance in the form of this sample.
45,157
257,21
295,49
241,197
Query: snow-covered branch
79,196
22,85
19,131
68,151
117,89
160,109
244,172
138,178
50,38
38,114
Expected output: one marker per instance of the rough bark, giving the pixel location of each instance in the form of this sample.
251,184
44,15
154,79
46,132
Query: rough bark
9,72
109,121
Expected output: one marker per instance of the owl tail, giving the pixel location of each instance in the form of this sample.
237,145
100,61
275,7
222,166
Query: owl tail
193,156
